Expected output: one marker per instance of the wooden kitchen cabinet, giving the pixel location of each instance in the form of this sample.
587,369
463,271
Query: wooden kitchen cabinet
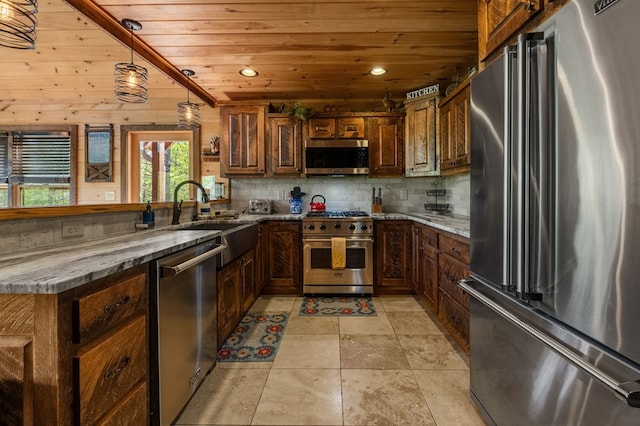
249,291
453,302
392,253
336,127
242,142
455,129
421,136
228,283
498,20
285,152
386,146
78,357
282,259
425,265
109,349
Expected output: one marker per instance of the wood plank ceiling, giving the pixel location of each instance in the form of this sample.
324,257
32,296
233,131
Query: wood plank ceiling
302,49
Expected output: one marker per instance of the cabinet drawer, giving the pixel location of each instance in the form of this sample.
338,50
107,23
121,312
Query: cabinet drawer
429,236
451,271
455,319
454,247
107,372
100,311
132,411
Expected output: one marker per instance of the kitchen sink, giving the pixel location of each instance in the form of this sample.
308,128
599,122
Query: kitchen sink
239,237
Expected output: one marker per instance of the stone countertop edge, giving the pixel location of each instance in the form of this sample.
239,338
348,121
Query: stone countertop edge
55,270
458,225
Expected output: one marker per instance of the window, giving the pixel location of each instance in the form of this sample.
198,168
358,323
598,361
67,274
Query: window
163,165
155,158
37,166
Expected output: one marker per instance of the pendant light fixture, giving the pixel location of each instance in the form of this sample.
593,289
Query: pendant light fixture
188,112
131,79
18,23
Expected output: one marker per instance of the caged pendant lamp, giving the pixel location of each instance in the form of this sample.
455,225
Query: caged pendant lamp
131,79
188,112
18,23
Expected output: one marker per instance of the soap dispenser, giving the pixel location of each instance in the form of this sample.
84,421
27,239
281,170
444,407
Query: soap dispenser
148,216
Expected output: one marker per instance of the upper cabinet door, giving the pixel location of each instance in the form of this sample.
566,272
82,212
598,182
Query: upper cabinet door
421,135
285,134
322,128
386,146
343,127
351,127
455,138
242,141
498,20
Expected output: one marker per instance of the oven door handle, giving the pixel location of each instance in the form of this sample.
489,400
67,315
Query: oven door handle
327,239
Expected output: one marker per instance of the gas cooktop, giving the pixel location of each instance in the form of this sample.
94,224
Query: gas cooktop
338,214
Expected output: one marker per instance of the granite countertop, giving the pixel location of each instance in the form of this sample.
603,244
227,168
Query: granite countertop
458,225
57,269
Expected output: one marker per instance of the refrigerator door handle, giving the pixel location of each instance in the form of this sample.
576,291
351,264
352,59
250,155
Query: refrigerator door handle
629,390
525,107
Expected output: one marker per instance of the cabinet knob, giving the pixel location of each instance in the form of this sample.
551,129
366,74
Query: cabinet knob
529,5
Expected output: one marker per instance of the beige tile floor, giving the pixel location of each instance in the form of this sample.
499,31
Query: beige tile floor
397,368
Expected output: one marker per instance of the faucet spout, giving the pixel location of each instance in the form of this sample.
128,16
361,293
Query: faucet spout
177,208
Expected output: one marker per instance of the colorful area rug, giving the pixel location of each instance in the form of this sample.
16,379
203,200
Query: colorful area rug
338,305
255,339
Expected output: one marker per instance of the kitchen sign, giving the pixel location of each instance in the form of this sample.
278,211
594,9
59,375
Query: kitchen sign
429,90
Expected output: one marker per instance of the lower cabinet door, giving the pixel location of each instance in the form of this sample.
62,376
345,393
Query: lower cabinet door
455,319
105,374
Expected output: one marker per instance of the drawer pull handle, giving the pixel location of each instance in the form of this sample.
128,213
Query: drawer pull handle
121,366
117,305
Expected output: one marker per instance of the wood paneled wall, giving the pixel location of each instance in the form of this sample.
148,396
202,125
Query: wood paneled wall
68,79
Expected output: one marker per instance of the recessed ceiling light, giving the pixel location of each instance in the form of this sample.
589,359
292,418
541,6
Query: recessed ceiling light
377,71
248,72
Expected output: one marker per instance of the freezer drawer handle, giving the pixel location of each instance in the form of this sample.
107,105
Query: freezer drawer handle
173,270
630,391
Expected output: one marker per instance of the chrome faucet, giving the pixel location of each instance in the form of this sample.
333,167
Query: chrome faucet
177,208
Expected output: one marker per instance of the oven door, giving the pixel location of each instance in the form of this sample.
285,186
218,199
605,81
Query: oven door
355,278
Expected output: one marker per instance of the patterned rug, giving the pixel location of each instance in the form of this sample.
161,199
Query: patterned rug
255,339
338,305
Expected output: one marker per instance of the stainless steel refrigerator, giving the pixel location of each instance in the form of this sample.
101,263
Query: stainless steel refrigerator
555,223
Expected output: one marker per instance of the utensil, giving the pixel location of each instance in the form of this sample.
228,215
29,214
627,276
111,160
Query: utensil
316,206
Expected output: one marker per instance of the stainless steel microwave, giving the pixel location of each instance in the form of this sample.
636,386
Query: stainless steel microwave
336,157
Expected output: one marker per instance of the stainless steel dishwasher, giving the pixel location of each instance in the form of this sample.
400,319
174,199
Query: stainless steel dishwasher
183,327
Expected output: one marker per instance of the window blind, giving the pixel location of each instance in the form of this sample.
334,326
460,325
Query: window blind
4,157
41,157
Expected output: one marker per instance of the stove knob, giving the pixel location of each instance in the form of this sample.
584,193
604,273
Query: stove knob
352,227
311,227
337,225
323,227
363,227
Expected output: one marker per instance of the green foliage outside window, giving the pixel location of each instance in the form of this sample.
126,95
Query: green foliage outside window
174,164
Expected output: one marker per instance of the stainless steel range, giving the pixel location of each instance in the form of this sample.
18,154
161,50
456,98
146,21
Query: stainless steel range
337,252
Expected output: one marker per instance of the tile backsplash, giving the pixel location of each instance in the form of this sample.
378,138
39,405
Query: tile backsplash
399,195
405,195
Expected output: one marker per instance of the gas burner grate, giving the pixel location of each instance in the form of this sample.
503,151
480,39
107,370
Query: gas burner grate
338,214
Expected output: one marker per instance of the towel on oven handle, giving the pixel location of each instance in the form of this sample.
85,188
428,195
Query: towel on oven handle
338,253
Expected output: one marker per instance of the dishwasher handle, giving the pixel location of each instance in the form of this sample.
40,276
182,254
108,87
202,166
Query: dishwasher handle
173,270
